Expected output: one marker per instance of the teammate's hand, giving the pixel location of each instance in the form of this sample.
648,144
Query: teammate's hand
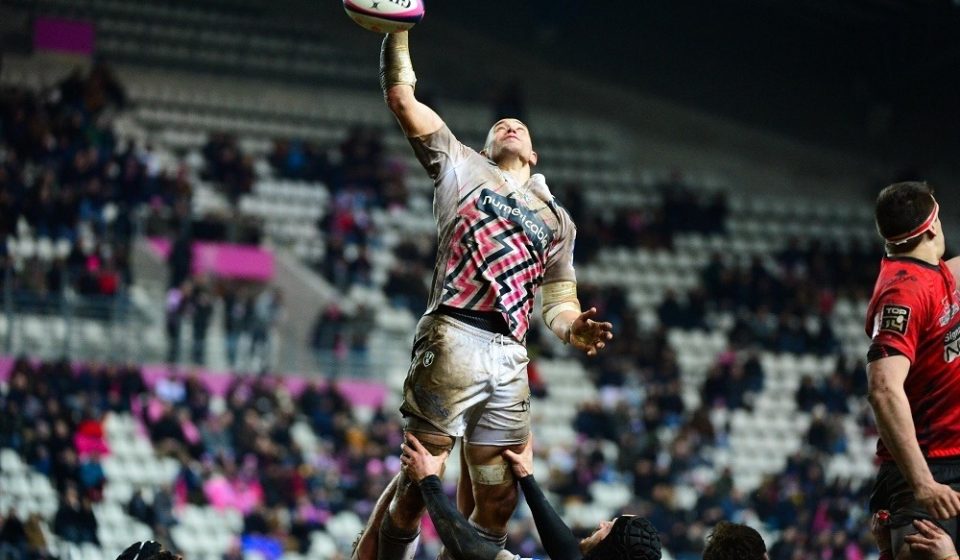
521,463
930,540
589,335
940,500
418,463
880,530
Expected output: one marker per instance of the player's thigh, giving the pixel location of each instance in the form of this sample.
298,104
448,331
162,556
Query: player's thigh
448,377
504,419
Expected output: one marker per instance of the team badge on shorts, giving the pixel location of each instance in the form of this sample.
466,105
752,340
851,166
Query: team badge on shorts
428,357
894,318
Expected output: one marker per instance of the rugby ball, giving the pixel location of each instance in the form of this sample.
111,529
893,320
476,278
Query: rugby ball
385,16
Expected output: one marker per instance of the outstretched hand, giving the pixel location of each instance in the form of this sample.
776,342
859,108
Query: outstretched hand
588,335
418,463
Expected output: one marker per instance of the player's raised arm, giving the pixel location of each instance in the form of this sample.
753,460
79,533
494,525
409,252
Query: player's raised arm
397,80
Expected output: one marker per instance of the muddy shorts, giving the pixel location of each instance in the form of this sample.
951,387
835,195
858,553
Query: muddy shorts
467,382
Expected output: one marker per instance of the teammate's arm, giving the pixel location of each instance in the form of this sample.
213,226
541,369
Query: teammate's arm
458,536
888,398
558,541
397,81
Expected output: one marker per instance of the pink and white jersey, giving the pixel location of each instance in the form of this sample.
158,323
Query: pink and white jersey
498,241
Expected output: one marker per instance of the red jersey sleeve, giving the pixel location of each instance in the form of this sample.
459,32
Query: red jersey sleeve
898,315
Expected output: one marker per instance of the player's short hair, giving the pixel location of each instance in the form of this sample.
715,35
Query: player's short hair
147,550
630,538
901,208
489,139
734,541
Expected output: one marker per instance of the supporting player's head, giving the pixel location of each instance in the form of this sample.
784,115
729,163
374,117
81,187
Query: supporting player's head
627,537
733,541
147,550
510,139
907,216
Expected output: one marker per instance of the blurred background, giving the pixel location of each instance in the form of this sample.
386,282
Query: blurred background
216,243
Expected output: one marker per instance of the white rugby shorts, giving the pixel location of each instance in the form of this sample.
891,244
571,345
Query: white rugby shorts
467,382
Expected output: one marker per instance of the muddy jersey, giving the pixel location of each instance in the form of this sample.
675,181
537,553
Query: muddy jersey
498,240
915,310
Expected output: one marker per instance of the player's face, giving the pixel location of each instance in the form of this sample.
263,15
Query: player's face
510,138
587,544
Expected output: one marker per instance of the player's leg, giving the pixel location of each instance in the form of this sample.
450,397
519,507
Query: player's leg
400,529
449,378
504,423
366,546
495,491
465,501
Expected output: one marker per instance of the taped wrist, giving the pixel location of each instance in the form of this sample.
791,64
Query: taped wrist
396,68
557,298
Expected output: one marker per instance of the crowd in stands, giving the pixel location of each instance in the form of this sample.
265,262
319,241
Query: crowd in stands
359,165
682,210
782,304
67,186
287,462
53,418
340,337
250,313
361,178
249,451
64,175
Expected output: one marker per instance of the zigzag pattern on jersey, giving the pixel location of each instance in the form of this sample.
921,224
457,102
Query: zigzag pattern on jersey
493,267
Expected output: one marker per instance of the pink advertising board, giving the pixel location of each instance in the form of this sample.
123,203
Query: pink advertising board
63,35
225,260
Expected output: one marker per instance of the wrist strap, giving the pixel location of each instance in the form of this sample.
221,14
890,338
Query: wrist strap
396,68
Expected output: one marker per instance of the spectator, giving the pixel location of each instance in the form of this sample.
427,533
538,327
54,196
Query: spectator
74,521
176,307
267,314
201,305
13,537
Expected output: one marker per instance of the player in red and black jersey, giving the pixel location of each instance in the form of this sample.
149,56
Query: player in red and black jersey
914,371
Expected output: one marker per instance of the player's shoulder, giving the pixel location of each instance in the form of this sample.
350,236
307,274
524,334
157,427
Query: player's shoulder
907,275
